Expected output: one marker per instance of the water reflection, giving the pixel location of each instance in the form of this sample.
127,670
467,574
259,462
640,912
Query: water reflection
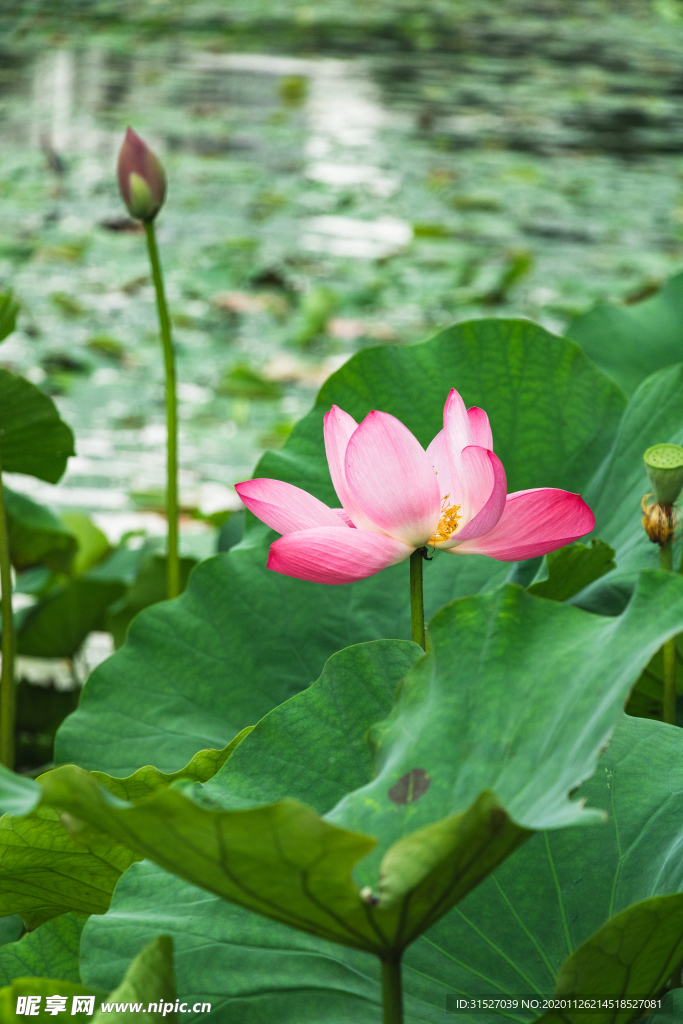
316,204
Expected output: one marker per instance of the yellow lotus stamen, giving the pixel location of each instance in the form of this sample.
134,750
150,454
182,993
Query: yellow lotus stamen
448,524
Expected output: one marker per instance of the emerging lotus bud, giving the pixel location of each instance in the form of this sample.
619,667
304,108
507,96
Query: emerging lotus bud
664,465
142,180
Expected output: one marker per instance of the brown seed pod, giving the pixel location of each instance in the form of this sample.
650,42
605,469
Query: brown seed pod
659,520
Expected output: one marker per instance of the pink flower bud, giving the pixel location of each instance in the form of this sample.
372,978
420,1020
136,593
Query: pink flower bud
142,180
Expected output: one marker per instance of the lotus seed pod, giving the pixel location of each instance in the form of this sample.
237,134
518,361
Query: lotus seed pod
664,465
659,521
142,180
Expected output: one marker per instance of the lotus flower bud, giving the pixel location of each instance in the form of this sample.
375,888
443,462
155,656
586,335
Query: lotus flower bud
142,180
664,465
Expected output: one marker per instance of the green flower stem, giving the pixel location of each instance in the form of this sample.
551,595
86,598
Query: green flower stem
417,605
669,648
7,690
392,995
171,415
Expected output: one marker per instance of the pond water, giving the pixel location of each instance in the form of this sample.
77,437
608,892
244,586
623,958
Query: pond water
319,201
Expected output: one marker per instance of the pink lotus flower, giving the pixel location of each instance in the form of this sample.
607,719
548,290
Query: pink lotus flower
397,498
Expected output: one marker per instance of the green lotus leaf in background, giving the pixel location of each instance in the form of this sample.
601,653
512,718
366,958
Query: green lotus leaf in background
51,951
93,545
11,929
57,626
105,590
569,570
202,767
647,696
511,935
9,307
36,535
20,794
33,438
149,979
45,871
48,547
42,987
631,342
460,782
654,415
244,639
54,946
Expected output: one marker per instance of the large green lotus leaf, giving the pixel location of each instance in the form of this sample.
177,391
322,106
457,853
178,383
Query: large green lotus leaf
45,871
244,639
631,342
654,414
315,743
150,587
240,641
512,682
355,690
36,534
33,438
202,767
552,412
318,739
560,889
634,955
510,936
51,951
460,783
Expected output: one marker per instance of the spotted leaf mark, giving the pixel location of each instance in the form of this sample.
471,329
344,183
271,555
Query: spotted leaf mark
410,787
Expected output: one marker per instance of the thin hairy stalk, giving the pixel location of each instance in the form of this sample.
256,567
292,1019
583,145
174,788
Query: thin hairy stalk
669,648
7,688
392,994
417,605
173,574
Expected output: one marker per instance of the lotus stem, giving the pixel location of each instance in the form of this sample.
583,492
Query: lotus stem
669,648
392,995
173,565
417,605
7,689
